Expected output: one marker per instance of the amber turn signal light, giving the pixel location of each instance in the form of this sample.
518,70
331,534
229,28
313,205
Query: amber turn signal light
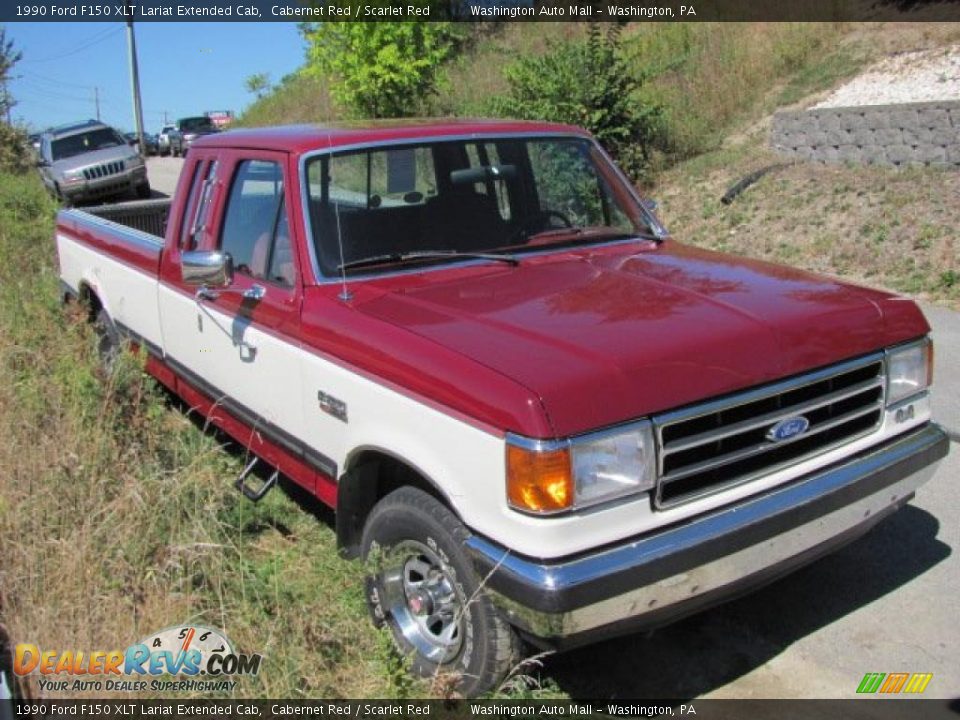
539,481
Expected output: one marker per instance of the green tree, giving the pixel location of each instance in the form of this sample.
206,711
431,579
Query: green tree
587,83
14,153
8,58
380,69
258,84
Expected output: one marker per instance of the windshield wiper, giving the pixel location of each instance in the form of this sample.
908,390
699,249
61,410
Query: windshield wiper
426,255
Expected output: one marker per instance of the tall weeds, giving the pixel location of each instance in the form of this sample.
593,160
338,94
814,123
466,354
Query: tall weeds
117,514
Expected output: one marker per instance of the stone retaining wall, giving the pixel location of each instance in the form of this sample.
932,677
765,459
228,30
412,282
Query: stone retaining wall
907,134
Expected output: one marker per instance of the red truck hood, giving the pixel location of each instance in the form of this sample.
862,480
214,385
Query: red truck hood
609,334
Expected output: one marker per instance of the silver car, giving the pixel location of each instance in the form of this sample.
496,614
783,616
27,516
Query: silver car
89,161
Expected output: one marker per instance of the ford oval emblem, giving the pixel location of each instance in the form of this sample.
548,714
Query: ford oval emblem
788,428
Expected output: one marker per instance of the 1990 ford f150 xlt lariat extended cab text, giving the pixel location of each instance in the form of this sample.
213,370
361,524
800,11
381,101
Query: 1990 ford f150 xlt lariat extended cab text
540,417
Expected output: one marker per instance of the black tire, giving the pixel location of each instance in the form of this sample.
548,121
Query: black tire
108,339
405,526
143,190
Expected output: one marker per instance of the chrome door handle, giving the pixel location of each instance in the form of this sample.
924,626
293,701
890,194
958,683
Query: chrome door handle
206,293
255,292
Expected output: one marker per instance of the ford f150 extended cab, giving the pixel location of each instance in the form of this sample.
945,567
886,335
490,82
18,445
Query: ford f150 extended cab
538,416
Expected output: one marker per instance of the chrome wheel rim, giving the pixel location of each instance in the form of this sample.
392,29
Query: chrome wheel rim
423,600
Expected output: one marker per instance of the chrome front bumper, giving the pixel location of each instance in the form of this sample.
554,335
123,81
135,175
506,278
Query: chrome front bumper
657,578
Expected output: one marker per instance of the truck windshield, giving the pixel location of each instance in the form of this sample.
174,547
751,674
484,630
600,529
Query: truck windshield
80,143
427,203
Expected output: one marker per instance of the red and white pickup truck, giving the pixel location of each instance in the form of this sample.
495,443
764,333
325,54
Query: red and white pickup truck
536,414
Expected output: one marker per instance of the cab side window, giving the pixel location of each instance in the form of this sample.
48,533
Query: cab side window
255,232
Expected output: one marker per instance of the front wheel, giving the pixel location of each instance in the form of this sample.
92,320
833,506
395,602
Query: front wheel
421,584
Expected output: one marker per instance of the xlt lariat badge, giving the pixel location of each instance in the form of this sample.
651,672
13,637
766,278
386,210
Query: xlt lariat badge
332,406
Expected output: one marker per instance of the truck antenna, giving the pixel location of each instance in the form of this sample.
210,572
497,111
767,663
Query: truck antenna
345,294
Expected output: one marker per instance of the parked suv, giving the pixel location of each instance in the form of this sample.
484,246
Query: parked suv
189,129
90,160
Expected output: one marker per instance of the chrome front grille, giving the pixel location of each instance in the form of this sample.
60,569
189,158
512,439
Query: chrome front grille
105,170
726,442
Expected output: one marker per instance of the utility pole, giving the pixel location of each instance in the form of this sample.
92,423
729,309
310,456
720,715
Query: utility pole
135,79
96,101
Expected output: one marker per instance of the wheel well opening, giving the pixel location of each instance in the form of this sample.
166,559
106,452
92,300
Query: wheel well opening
372,475
88,299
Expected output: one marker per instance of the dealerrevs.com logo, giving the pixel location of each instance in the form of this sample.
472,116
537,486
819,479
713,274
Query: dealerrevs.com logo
203,658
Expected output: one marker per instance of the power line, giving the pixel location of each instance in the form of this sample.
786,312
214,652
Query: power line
93,40
53,81
50,94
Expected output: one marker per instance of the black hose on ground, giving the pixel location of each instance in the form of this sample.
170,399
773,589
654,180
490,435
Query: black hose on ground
748,180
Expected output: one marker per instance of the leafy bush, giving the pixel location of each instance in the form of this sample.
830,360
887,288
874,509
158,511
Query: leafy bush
379,69
15,155
585,82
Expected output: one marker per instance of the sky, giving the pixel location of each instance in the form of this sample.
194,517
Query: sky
185,69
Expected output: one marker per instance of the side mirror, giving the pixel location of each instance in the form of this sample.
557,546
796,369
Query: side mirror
206,268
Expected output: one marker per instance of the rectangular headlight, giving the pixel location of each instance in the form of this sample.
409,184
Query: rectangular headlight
909,370
553,476
613,464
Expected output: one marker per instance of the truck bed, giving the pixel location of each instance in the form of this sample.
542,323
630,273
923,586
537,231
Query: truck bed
116,247
149,216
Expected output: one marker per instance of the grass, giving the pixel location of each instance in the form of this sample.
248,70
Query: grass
873,225
118,517
296,99
713,77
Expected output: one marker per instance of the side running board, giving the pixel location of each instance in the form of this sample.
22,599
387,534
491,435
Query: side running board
253,493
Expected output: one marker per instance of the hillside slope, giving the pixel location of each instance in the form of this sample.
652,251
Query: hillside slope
706,77
874,225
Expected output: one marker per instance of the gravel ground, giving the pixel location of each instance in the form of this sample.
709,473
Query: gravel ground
920,76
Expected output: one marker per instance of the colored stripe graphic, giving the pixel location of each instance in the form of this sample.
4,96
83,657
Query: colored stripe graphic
894,682
918,682
870,682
